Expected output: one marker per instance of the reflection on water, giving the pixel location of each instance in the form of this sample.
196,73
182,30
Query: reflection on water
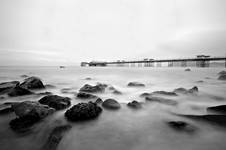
124,129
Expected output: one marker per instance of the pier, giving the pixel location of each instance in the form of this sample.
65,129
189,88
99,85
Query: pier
199,61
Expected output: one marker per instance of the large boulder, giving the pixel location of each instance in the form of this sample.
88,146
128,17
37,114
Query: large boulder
111,104
222,77
19,91
55,101
83,111
28,113
219,109
135,84
164,93
93,89
55,137
5,86
134,104
83,95
161,100
32,83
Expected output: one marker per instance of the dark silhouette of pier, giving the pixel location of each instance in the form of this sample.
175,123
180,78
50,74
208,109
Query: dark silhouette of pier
200,61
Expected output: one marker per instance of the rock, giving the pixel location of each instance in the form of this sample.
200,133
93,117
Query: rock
135,84
31,108
112,88
84,95
161,100
193,90
134,104
117,92
219,109
50,86
219,120
56,101
88,78
188,69
165,93
222,77
99,101
222,73
28,113
5,109
83,111
93,89
24,76
181,126
145,94
32,83
55,137
45,93
200,81
5,86
19,91
111,104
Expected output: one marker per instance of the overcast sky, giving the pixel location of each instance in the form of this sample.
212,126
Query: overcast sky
55,32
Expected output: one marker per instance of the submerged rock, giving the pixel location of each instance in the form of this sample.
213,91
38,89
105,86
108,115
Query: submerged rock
111,104
188,69
219,120
32,83
181,126
50,86
161,100
134,104
114,90
55,137
222,77
135,84
93,89
165,93
145,94
83,111
45,93
55,101
193,90
5,86
220,109
5,109
28,113
19,91
84,95
222,72
88,78
24,76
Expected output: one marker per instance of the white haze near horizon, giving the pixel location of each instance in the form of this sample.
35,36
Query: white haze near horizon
57,32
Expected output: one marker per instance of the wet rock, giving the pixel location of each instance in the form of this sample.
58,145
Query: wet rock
28,113
5,109
5,86
181,126
32,83
31,108
84,95
222,72
83,111
188,69
134,104
135,84
222,77
117,92
93,89
161,100
193,90
65,90
55,101
165,93
219,109
50,86
55,137
219,120
99,101
111,104
19,91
